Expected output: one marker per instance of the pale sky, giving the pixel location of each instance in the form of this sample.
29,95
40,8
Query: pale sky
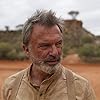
14,12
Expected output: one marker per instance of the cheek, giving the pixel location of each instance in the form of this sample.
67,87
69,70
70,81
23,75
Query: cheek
42,54
60,51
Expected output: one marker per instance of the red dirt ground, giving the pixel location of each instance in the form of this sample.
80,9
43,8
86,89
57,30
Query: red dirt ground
89,71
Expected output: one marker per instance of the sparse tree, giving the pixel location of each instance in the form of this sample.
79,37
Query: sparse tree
7,28
73,14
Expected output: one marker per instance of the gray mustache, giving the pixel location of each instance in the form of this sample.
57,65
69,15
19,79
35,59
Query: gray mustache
53,58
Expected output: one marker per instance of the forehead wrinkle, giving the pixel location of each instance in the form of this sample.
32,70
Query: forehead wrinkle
45,33
50,41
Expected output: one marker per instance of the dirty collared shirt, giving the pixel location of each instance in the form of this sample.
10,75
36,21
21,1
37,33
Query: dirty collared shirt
53,88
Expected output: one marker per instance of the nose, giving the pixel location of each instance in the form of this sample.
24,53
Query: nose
54,51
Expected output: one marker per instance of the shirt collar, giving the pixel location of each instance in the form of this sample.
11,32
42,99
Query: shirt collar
47,82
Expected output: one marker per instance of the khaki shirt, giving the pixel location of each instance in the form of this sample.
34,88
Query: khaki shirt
53,88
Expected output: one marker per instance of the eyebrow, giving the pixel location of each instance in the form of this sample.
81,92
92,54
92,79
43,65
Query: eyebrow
46,40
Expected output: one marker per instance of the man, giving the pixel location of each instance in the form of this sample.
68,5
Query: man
46,78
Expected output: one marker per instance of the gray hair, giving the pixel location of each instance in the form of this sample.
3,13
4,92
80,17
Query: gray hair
42,17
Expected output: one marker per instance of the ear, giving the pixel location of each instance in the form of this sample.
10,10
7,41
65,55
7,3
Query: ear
26,49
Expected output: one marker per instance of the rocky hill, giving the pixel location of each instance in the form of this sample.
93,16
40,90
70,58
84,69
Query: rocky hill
75,33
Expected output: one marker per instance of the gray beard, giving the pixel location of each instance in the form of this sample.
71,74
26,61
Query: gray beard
48,69
44,67
41,65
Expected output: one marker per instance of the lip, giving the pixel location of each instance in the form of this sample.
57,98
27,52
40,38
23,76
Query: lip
52,62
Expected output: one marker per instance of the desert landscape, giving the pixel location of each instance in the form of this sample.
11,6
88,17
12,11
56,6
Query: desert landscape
89,71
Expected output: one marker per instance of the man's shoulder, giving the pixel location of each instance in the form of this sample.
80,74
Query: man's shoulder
77,78
11,79
10,82
82,86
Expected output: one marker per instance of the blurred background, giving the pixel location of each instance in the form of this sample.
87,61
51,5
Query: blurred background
81,36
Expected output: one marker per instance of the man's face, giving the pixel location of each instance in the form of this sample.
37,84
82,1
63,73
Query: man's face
45,46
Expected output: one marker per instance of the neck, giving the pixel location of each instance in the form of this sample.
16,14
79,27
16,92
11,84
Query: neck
37,75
